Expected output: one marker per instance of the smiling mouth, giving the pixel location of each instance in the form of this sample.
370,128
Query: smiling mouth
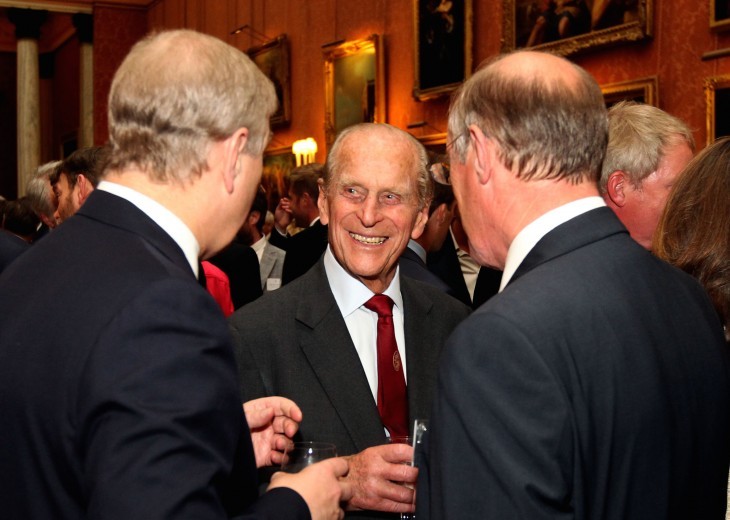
372,241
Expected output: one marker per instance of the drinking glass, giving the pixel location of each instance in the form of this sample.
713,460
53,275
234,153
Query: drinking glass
420,427
299,455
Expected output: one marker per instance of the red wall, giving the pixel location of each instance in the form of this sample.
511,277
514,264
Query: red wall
681,36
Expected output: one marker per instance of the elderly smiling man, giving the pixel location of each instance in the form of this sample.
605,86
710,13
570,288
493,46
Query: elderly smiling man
317,340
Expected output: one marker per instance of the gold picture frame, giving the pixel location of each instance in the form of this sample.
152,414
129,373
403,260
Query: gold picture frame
354,73
442,46
278,164
599,23
272,58
719,15
717,97
643,90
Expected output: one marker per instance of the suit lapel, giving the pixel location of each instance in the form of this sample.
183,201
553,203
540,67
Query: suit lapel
267,264
584,229
326,343
419,355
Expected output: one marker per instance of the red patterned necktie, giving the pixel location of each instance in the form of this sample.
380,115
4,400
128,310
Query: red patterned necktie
392,398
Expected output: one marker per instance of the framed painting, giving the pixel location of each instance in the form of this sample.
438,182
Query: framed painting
717,96
567,27
720,15
640,90
272,58
278,164
443,46
354,75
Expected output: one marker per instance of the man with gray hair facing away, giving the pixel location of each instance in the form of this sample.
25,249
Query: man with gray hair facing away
42,197
595,385
647,149
124,404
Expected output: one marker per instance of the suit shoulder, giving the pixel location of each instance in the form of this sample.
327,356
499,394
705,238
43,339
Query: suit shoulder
442,302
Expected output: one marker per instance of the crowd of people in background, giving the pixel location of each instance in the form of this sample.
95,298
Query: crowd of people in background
553,295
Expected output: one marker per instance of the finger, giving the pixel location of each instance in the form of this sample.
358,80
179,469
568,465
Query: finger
396,453
346,491
286,426
338,466
259,418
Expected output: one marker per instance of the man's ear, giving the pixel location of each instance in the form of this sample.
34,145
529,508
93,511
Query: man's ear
232,151
421,219
253,217
483,152
324,216
616,188
85,188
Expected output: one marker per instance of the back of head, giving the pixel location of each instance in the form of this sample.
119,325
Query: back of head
19,218
176,93
359,136
638,136
546,114
442,193
38,190
89,162
304,179
693,231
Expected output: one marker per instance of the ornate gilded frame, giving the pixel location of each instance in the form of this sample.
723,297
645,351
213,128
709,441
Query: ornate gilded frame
432,75
644,90
712,85
343,75
638,29
272,58
719,21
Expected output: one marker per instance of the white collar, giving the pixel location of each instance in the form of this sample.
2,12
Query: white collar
349,292
531,234
166,219
418,249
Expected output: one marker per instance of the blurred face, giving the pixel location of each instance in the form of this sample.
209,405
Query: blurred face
645,204
371,208
298,209
68,198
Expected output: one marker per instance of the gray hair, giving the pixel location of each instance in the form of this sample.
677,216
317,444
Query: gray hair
545,128
175,94
638,137
339,156
38,189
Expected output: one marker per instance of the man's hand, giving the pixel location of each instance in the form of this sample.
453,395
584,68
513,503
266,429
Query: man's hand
320,486
273,421
381,479
282,215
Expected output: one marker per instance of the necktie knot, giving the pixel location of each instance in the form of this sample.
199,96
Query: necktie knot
380,304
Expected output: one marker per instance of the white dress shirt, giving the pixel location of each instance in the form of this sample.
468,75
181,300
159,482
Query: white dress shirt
259,247
531,234
166,219
350,295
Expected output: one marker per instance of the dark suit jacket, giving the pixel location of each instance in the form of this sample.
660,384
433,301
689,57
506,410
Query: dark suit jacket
595,386
294,342
303,250
412,266
11,247
123,403
240,263
444,263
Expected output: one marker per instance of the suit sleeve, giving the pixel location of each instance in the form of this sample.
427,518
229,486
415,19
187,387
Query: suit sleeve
158,411
500,444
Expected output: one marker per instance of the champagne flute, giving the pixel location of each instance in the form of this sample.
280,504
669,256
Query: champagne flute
299,455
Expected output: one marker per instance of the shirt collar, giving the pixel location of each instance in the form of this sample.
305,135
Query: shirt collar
259,245
166,219
531,234
349,292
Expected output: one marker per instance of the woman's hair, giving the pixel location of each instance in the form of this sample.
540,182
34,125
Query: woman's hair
694,230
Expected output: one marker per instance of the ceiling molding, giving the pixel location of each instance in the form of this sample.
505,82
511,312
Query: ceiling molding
74,6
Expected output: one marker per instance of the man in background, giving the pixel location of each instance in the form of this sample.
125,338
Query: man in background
306,247
595,384
75,178
42,198
647,149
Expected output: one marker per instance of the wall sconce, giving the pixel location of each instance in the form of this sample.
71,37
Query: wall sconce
304,150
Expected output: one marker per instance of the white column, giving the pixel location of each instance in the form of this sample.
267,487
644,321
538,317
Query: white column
84,27
27,29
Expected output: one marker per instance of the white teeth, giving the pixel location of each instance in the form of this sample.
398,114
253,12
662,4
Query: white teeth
368,240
